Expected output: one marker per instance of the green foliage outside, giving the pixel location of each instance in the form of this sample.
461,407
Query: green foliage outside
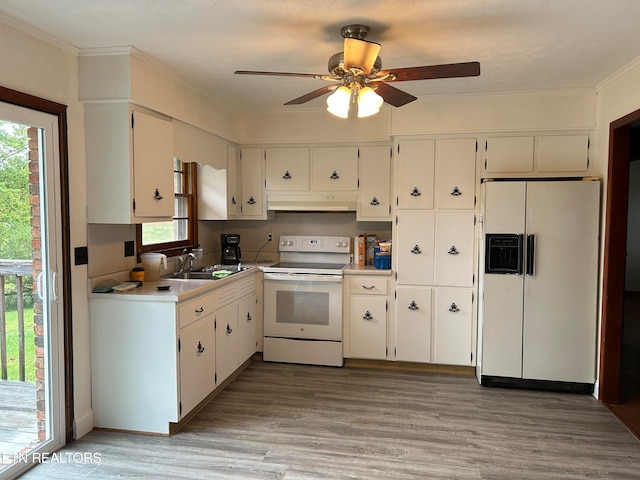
15,238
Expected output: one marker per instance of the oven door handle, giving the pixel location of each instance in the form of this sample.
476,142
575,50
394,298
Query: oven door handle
297,277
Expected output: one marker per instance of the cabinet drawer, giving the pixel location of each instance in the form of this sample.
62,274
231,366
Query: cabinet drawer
368,286
195,309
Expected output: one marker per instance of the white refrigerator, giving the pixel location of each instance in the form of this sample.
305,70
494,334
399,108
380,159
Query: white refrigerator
538,302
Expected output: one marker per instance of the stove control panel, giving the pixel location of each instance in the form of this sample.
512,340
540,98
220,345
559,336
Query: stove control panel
321,244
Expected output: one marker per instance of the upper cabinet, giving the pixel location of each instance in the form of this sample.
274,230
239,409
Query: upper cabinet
416,164
455,173
536,155
334,168
129,164
287,168
252,181
374,192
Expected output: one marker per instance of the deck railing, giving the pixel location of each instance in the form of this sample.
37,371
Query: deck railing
19,269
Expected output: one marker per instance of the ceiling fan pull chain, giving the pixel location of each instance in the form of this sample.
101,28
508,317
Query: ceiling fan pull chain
287,175
334,175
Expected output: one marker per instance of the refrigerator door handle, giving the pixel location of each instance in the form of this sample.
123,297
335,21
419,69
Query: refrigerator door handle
520,266
531,254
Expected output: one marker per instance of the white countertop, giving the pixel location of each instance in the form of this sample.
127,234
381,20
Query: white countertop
366,270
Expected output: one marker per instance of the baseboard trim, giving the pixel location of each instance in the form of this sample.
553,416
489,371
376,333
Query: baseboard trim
410,367
529,384
82,424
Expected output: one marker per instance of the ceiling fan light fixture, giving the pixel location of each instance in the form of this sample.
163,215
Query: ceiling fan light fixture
369,102
338,102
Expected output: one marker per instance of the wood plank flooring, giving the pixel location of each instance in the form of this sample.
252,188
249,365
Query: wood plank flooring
291,422
18,424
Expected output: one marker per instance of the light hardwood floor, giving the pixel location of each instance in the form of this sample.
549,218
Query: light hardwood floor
278,421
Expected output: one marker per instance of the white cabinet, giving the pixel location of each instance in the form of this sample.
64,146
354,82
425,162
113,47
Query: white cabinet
252,182
197,359
416,165
247,328
234,189
226,326
367,316
287,168
413,324
453,326
374,184
414,247
334,168
509,154
453,250
455,173
129,164
563,153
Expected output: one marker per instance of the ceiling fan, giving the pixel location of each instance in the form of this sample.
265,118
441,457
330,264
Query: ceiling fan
358,69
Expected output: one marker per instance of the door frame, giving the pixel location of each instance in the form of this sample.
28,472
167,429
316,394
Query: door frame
615,246
59,110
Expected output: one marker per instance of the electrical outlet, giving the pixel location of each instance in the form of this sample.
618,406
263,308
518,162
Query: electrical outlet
129,248
269,237
81,255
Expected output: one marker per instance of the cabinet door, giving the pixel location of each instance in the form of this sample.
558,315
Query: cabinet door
252,183
233,183
416,160
247,338
152,166
454,249
368,327
452,326
287,169
226,342
414,247
334,168
509,155
563,153
413,324
374,190
197,364
456,173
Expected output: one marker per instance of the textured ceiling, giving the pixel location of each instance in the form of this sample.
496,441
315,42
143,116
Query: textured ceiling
521,45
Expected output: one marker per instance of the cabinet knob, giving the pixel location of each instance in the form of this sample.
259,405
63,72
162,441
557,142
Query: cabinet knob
156,195
334,175
249,317
453,250
367,315
413,305
200,348
229,329
233,200
198,311
251,201
287,175
374,201
415,192
454,308
416,250
456,191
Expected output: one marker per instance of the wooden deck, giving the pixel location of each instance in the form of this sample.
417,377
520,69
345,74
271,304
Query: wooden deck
18,428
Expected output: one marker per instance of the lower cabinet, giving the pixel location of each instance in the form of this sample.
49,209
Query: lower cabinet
367,310
413,324
197,359
226,325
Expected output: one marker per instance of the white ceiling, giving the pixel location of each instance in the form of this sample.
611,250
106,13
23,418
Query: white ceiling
520,44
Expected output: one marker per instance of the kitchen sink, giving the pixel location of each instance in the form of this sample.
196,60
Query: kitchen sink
206,273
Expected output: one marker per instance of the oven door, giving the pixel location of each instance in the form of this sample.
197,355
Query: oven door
303,306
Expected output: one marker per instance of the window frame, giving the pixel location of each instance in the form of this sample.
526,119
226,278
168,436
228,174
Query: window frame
175,248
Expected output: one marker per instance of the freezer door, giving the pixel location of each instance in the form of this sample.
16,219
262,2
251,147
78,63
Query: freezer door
560,291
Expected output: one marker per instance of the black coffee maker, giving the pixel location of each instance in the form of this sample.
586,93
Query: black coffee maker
231,254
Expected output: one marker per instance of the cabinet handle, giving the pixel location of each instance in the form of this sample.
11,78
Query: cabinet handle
368,288
199,310
454,308
287,175
456,192
156,195
416,250
251,201
413,305
453,250
229,330
415,192
374,201
249,317
200,349
334,175
367,316
233,201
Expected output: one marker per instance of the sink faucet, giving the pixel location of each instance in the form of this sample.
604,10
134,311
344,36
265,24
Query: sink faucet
185,261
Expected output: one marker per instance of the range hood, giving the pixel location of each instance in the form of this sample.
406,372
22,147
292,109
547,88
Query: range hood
312,202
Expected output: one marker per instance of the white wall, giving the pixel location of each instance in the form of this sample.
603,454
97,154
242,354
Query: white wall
37,67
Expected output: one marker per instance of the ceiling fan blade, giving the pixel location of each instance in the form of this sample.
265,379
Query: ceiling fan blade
360,53
393,96
449,70
278,74
311,95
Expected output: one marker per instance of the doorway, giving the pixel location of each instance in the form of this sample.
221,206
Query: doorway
619,360
34,278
